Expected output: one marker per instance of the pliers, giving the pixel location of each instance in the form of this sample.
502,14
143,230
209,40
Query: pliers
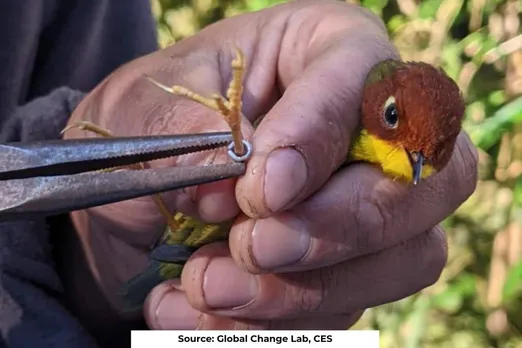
54,177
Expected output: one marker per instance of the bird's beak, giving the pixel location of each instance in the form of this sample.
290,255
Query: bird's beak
417,160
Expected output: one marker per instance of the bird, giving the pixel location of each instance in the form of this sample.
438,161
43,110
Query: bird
411,114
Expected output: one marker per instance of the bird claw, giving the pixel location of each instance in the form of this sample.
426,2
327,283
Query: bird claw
229,108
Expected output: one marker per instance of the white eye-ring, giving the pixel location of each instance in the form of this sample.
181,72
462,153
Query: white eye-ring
390,114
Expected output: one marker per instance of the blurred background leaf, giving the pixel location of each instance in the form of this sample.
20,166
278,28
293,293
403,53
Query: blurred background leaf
477,302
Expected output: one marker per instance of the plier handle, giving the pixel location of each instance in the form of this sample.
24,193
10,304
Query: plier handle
59,176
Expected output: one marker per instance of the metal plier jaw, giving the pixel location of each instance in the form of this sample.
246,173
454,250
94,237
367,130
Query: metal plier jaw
54,177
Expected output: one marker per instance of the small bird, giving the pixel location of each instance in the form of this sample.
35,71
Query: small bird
411,115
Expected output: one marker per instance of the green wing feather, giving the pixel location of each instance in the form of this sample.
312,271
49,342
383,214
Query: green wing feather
382,70
191,233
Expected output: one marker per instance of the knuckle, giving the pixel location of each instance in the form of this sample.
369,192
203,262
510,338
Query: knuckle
308,296
372,216
358,14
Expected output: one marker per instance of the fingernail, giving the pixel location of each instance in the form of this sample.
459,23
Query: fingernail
174,312
226,286
286,175
279,242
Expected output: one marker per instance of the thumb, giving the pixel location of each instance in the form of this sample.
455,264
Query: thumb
306,136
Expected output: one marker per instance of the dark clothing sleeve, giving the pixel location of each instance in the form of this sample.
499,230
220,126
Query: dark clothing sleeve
52,52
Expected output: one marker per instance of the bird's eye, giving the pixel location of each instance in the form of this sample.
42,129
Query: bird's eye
391,117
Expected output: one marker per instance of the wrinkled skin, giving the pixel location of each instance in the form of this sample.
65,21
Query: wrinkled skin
348,240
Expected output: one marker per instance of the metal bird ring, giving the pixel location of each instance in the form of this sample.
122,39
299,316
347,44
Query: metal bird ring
237,158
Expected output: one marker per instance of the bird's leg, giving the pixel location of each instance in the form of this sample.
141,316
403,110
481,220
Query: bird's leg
91,127
230,109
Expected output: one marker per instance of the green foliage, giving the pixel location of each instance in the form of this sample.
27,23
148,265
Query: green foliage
375,5
477,302
256,5
513,284
487,134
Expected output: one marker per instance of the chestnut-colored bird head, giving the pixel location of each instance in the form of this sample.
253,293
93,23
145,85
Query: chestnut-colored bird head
415,108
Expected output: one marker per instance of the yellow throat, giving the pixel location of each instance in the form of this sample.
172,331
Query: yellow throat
392,159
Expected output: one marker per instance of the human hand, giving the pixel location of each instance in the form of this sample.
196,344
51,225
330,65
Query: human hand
345,241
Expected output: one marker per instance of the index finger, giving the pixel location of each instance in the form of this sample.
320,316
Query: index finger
305,137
